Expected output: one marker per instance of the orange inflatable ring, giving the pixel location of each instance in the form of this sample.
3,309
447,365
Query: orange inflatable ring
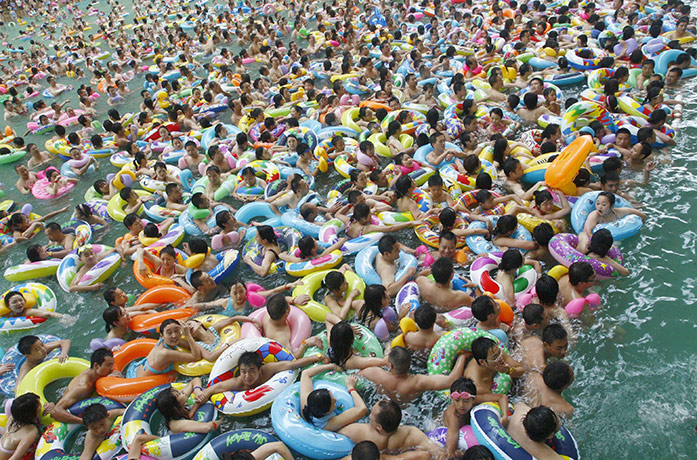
375,105
102,86
150,279
164,294
469,198
150,323
124,389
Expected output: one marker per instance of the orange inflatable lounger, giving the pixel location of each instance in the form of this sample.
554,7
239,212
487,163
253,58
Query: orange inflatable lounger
561,173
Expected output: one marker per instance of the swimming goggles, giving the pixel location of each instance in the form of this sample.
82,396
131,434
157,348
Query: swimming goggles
461,395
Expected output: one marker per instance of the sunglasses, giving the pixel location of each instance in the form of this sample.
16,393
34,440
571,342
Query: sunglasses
461,395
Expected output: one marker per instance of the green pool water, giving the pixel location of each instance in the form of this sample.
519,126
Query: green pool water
633,359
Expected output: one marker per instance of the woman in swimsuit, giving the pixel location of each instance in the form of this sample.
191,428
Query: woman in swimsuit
394,129
511,261
209,337
318,406
172,404
162,357
502,235
339,299
340,348
22,427
605,213
165,264
544,208
271,250
309,250
84,212
405,187
360,224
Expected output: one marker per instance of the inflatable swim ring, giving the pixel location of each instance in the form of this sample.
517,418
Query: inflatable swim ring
180,446
302,436
8,381
444,354
563,248
365,265
486,424
480,274
243,403
621,229
37,296
311,283
228,335
71,264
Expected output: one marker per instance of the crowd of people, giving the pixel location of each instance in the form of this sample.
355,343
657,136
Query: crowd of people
279,141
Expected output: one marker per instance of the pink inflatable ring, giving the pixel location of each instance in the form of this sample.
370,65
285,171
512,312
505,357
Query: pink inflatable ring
299,323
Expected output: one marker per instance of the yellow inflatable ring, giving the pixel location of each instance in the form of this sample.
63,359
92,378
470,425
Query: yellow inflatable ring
349,117
118,182
46,373
312,282
115,206
228,335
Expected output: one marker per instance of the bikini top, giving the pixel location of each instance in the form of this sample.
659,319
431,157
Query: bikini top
169,368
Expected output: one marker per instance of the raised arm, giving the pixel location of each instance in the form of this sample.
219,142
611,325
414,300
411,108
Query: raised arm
358,411
441,382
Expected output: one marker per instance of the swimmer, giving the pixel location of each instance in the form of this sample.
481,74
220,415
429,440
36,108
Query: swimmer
401,386
605,212
88,259
35,352
463,394
439,291
536,351
532,427
423,340
253,373
488,360
386,431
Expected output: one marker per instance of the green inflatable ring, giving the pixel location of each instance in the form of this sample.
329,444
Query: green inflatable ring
365,344
14,155
197,213
445,351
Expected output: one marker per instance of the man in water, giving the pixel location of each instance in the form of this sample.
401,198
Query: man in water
252,373
532,427
439,291
403,387
385,431
536,350
83,386
490,359
546,388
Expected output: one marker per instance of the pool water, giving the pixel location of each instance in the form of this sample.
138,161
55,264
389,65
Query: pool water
633,359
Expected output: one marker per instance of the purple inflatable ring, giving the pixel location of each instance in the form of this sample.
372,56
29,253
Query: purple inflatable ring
563,248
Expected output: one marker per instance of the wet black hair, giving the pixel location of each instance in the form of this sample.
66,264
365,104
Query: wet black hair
511,259
540,423
547,289
557,375
277,306
542,233
425,316
533,313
